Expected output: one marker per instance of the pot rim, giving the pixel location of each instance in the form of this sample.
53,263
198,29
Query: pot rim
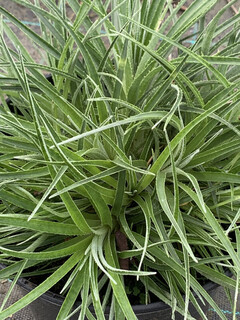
58,299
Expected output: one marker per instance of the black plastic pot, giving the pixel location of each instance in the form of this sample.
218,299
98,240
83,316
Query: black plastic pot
47,306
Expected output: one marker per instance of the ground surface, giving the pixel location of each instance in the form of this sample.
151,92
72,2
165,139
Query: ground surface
31,21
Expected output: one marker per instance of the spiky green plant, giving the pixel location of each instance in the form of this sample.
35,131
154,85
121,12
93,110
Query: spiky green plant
128,164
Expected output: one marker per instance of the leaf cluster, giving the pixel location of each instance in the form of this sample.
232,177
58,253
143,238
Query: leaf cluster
125,164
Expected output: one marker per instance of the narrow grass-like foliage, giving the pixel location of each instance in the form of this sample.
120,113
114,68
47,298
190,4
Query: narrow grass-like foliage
125,167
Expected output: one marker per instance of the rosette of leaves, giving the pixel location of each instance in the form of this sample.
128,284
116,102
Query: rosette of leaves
126,165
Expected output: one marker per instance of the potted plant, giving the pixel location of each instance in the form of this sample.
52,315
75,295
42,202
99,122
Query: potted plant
120,178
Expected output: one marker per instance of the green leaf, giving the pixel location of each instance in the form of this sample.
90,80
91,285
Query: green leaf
212,221
161,192
71,296
50,254
32,35
118,289
45,285
21,220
